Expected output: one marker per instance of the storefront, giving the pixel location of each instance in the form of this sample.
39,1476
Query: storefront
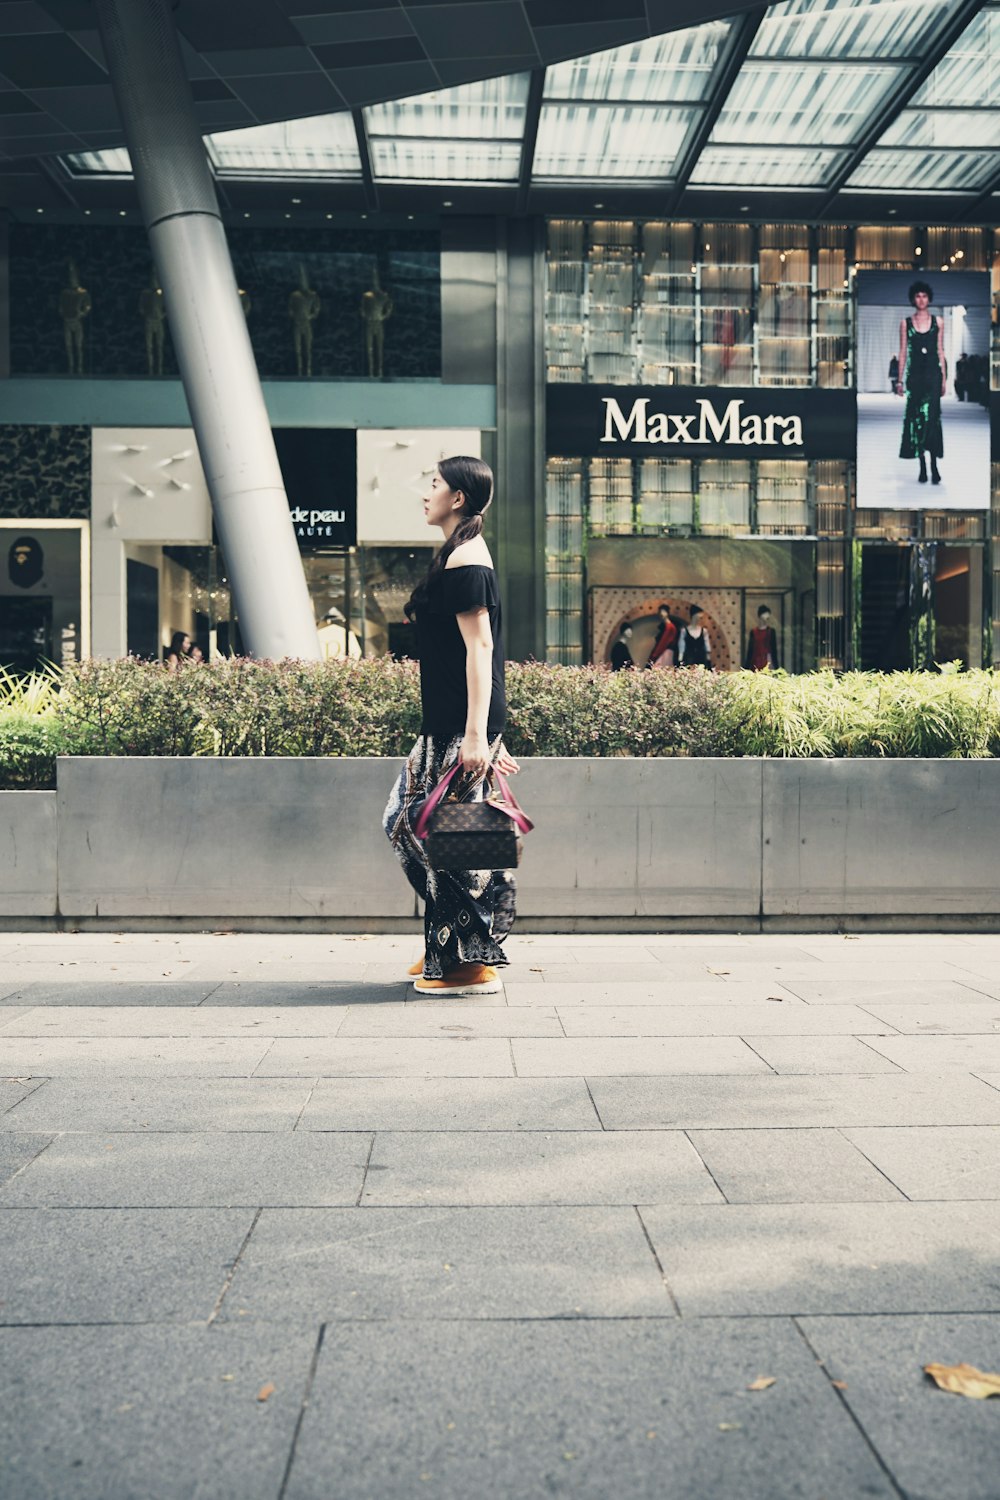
702,393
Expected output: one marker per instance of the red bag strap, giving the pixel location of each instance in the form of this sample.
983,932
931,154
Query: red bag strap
510,804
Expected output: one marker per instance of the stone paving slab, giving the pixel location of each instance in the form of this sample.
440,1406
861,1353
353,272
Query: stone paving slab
791,1166
794,1100
9,1014
160,1104
455,1020
940,1054
738,1259
88,994
17,1152
329,1265
150,1411
938,1162
593,1056
138,1265
935,1444
13,1090
110,1057
455,1104
558,1167
195,1170
823,1054
707,991
887,991
97,971
273,993
944,1017
388,1057
167,1021
527,1411
993,1079
719,953
765,1019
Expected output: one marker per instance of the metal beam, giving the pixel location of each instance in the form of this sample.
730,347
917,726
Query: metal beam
899,99
741,39
977,209
532,115
181,213
364,151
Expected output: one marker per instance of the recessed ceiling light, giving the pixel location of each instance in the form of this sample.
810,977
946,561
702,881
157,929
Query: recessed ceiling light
744,208
86,211
288,216
598,205
446,203
919,250
364,216
892,211
246,216
39,210
409,216
296,200
329,216
121,213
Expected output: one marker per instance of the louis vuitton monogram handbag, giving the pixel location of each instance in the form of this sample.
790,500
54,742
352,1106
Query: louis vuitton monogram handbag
482,835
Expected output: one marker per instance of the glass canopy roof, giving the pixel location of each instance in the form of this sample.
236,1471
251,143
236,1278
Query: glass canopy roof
819,80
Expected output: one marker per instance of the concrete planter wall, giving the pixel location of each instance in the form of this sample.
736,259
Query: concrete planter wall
626,844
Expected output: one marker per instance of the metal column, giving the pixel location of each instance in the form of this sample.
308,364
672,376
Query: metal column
181,213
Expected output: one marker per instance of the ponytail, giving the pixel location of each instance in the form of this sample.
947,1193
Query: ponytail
474,479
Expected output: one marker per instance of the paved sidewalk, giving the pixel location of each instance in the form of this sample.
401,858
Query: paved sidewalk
272,1228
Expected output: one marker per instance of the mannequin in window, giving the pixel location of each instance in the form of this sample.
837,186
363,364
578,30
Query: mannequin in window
693,647
664,652
74,305
621,651
153,311
376,310
304,307
762,643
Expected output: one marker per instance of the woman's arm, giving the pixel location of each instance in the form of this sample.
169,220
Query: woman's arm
478,637
901,374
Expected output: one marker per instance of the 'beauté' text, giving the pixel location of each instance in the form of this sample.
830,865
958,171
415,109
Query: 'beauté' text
705,426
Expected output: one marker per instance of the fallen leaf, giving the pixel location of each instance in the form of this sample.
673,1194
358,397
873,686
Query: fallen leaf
536,971
265,1391
718,971
730,1426
839,1385
227,1377
779,998
762,1383
965,1380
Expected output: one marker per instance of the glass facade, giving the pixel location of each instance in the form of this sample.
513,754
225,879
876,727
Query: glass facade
659,303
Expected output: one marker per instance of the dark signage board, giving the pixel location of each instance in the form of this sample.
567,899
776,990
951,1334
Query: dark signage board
595,421
320,468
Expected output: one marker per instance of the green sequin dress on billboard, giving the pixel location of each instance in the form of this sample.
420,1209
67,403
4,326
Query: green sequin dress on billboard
922,384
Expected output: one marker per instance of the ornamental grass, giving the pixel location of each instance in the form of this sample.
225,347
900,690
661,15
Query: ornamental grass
237,707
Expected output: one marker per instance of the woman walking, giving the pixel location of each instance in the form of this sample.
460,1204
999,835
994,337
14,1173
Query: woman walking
457,615
923,382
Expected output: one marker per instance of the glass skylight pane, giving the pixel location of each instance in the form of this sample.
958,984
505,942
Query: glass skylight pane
970,73
750,167
410,159
601,141
801,102
944,128
675,67
324,144
114,162
850,28
925,171
494,108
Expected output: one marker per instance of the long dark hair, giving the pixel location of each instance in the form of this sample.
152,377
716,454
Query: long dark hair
474,480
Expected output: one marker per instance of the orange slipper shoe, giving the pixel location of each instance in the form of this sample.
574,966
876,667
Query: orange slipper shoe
417,968
465,979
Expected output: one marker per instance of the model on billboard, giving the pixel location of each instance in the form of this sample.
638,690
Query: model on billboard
923,382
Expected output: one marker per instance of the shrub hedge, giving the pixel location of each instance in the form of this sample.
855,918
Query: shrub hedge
240,707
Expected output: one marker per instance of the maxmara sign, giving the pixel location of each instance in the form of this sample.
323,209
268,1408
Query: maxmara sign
699,422
734,427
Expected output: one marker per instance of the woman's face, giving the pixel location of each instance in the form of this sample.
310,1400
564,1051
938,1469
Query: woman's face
186,643
440,501
921,301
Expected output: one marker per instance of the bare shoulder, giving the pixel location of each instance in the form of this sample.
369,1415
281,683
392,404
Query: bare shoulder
471,554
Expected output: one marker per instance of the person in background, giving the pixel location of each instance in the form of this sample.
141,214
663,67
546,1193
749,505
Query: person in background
621,651
762,643
962,376
693,647
180,650
197,655
893,373
664,649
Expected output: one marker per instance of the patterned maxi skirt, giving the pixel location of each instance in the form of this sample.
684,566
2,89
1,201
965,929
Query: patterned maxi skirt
468,913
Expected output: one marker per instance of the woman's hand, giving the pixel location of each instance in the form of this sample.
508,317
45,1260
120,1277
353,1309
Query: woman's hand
474,754
505,762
